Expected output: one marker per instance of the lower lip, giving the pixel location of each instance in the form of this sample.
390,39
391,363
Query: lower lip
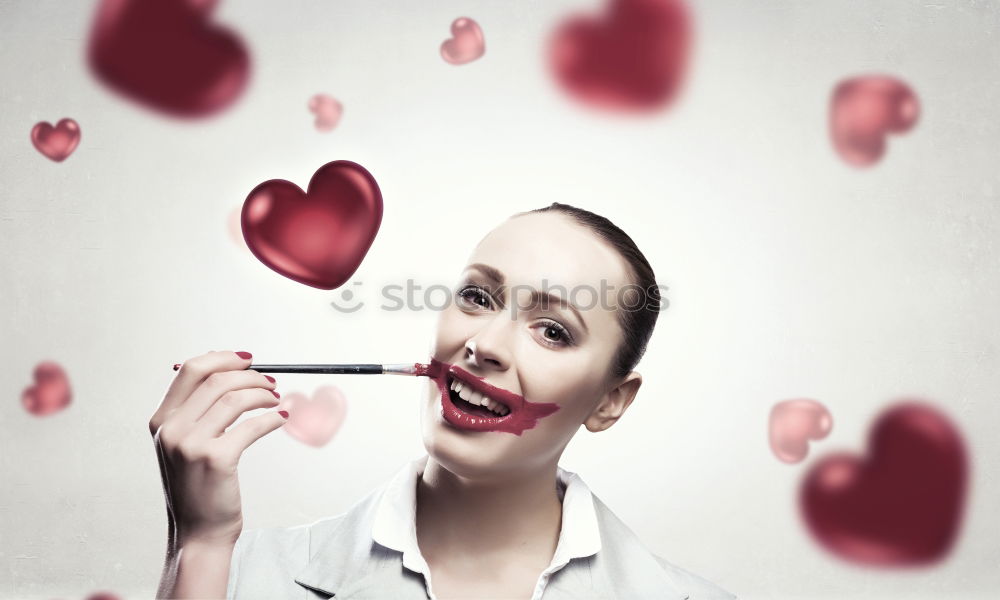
520,418
463,420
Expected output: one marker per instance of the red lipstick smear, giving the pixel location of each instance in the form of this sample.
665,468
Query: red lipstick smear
523,415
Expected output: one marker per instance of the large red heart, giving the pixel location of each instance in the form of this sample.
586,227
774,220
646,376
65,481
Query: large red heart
166,55
319,237
632,58
900,505
56,142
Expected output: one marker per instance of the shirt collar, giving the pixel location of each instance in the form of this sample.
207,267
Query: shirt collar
395,517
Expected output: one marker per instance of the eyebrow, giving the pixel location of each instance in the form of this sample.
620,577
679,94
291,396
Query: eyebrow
497,276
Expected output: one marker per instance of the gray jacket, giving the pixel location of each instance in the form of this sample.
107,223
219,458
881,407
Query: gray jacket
336,557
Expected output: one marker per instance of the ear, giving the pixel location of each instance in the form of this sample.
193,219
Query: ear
612,406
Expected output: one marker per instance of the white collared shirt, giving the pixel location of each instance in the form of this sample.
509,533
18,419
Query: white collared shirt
395,524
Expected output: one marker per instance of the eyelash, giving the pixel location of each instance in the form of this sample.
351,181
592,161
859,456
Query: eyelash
478,292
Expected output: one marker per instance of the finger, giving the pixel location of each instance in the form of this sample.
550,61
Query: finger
228,409
211,390
239,438
191,374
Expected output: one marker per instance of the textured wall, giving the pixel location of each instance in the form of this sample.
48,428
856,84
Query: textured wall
790,273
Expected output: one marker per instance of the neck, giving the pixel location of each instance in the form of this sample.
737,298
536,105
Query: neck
458,516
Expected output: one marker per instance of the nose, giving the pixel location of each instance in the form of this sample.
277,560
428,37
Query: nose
487,349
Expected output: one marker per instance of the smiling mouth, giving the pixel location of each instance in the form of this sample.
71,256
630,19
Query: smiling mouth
474,402
463,406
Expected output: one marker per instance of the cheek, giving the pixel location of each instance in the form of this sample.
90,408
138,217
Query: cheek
453,327
572,389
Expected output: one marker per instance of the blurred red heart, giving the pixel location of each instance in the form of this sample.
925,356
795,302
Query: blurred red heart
319,237
56,142
50,392
864,110
167,55
631,58
902,504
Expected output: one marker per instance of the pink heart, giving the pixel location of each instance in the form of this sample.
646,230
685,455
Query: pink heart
466,44
56,142
863,110
51,392
327,110
314,421
793,423
236,228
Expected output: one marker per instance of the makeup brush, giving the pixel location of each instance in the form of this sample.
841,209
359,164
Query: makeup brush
416,369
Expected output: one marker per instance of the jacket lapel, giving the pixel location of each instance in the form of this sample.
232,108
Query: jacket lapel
344,561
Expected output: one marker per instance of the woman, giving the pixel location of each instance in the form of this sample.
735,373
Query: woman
488,513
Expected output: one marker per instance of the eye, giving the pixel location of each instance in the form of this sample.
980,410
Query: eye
474,294
554,334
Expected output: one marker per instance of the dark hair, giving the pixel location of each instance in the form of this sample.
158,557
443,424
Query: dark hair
636,325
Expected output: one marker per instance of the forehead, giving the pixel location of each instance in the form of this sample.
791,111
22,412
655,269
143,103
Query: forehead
534,247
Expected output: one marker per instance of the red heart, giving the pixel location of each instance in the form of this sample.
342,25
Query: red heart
320,237
863,110
56,142
902,504
51,391
633,58
166,55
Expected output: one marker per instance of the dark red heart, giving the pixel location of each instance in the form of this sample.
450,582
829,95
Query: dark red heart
319,237
901,504
167,55
631,58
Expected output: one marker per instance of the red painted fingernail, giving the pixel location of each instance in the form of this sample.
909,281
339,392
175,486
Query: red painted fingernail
276,394
244,355
283,413
177,366
269,378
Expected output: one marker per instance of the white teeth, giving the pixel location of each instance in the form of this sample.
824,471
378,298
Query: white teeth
478,398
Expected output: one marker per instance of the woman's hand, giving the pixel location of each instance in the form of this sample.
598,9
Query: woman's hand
197,456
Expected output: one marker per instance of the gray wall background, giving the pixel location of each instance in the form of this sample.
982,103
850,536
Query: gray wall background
790,273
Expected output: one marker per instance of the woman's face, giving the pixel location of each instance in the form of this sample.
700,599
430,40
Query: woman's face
542,350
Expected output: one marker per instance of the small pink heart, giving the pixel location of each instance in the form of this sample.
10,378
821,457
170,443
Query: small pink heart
466,44
314,421
863,110
51,392
56,142
327,110
793,423
236,228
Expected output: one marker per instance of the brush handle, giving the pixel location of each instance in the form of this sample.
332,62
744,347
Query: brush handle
367,369
343,369
361,369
